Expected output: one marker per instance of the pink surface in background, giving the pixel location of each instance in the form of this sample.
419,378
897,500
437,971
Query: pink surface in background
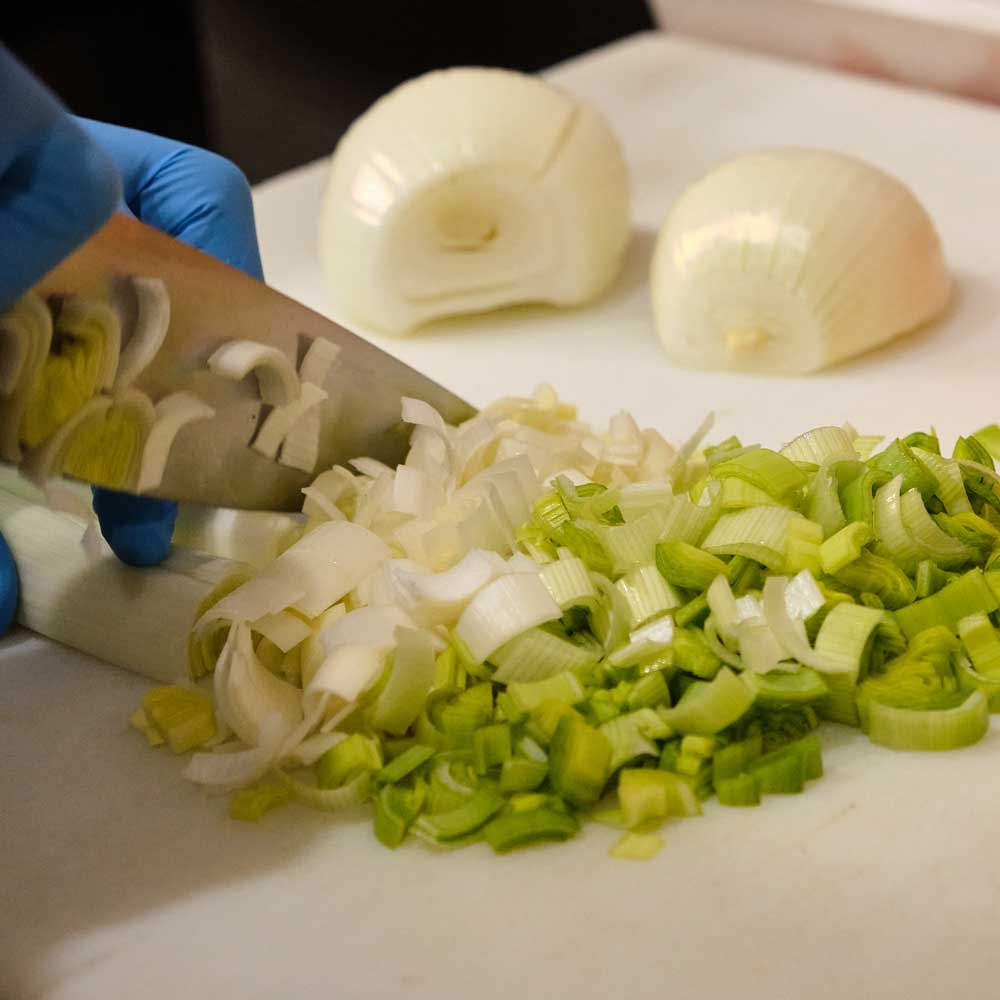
952,47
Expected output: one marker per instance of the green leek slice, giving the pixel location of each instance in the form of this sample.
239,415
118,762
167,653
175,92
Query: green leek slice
684,565
464,819
648,594
579,761
778,688
766,470
758,533
518,829
929,729
711,706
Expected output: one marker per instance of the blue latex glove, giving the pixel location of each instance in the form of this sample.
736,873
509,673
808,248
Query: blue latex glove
60,180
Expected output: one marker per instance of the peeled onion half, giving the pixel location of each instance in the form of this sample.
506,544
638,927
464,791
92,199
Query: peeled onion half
789,260
469,189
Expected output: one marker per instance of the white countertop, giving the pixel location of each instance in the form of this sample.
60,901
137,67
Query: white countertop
118,879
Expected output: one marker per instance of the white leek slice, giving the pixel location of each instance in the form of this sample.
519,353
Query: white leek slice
312,651
722,604
318,361
348,671
224,772
439,598
284,629
150,330
247,693
364,626
416,492
788,260
318,507
412,675
416,411
331,561
300,447
332,494
760,651
638,498
503,609
474,447
821,444
171,414
26,335
277,380
282,419
65,594
310,576
313,747
650,640
469,189
370,466
785,614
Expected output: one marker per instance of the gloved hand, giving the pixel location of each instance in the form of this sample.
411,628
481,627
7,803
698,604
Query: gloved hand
201,199
60,180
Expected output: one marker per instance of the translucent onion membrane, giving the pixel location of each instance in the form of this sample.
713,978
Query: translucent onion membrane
469,189
746,277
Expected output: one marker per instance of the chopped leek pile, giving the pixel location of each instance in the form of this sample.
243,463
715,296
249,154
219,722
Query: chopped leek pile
530,623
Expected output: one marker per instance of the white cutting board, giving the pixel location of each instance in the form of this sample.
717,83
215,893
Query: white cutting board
119,880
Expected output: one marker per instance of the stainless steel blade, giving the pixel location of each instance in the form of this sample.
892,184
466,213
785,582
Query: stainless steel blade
211,303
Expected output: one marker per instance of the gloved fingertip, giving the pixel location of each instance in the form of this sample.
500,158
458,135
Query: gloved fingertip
9,587
138,529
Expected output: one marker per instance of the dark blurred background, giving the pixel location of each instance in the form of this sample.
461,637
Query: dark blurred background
273,85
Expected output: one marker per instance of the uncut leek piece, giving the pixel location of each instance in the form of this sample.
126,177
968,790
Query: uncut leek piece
139,619
254,537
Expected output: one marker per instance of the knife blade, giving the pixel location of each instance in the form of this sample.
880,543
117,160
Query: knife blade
211,461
